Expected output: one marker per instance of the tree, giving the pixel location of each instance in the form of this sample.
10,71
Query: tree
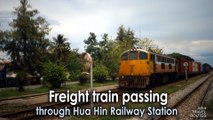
27,43
74,64
8,44
109,55
104,53
126,38
102,48
92,46
60,48
103,43
111,58
121,34
148,44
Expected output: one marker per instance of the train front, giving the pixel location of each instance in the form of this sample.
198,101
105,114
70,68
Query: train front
134,69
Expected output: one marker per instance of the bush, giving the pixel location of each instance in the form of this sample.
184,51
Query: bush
100,73
54,74
113,76
74,75
84,77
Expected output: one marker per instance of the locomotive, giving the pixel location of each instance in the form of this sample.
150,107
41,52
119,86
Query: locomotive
141,68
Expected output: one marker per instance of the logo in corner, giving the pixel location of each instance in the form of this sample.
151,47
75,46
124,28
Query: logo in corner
199,113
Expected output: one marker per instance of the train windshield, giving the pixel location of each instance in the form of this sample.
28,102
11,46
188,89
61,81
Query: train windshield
143,55
133,55
124,56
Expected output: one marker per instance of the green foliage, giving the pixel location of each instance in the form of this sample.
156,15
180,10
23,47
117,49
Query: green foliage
60,48
209,103
54,74
107,52
100,73
121,34
104,43
111,59
26,43
74,65
83,78
126,38
103,48
74,74
148,44
4,36
92,45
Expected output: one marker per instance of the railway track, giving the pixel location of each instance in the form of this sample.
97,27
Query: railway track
190,105
30,113
205,96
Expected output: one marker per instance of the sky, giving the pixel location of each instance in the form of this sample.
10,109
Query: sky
183,26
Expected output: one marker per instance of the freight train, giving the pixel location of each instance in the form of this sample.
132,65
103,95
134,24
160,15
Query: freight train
140,68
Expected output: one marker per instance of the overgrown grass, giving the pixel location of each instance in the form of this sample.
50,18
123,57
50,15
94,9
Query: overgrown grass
10,107
72,87
171,88
13,92
76,87
209,105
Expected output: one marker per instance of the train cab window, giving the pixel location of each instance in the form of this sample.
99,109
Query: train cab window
124,56
162,66
133,55
143,55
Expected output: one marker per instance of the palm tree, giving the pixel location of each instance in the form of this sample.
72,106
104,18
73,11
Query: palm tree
60,48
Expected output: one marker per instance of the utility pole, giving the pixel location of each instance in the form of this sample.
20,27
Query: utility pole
88,65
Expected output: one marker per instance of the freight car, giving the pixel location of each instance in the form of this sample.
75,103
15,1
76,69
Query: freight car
192,68
140,68
206,68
